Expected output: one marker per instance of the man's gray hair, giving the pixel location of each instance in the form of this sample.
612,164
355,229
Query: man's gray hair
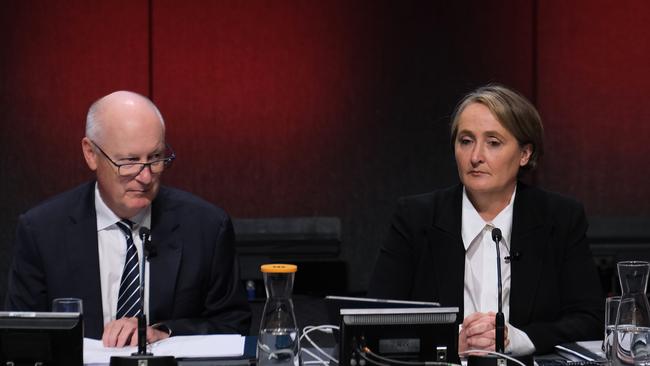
93,119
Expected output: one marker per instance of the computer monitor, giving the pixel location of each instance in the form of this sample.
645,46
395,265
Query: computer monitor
48,338
422,332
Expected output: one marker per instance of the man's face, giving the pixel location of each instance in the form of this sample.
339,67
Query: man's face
129,134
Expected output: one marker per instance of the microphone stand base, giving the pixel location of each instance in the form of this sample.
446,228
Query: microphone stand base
143,360
493,360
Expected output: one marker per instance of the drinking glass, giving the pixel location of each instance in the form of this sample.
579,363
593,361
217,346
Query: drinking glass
611,308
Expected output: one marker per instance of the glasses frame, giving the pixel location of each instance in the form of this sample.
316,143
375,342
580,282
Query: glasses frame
167,161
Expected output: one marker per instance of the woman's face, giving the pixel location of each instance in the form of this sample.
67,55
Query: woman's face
488,156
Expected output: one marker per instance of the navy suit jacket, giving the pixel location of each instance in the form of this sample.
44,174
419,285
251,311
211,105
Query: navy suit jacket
555,292
194,278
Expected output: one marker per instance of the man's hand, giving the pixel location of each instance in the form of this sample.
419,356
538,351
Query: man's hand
124,332
479,332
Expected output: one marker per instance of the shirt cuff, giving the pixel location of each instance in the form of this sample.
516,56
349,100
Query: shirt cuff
520,344
163,328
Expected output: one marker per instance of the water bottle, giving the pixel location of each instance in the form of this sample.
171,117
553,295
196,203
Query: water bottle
279,339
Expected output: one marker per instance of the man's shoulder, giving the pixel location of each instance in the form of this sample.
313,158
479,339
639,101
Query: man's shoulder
177,199
64,204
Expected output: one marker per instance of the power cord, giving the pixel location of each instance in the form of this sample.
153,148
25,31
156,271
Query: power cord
365,351
327,328
492,353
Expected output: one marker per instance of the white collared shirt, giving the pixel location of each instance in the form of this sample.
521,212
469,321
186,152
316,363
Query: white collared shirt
480,291
112,253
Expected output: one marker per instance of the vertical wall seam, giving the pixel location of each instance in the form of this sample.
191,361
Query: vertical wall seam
535,68
535,51
150,46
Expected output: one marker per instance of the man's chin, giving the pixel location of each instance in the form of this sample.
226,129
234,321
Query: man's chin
136,204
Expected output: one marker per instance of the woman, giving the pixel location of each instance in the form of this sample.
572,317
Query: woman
440,247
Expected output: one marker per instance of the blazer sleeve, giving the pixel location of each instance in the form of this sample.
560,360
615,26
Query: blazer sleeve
225,307
27,290
393,275
580,306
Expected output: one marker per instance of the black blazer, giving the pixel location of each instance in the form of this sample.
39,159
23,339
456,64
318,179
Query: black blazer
194,278
555,292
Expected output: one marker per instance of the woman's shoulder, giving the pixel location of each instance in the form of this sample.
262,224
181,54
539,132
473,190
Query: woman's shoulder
429,200
550,201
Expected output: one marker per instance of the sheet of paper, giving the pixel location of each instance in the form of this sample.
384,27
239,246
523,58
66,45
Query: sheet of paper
593,346
217,345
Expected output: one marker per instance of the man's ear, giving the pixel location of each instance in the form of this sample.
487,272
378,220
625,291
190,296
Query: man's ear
89,153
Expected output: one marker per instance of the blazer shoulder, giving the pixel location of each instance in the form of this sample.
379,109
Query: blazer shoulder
426,206
63,205
554,202
188,203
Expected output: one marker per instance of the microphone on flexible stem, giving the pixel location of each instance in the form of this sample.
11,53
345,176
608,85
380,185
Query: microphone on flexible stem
500,319
145,236
142,357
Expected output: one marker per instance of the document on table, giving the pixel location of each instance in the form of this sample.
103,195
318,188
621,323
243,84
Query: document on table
217,345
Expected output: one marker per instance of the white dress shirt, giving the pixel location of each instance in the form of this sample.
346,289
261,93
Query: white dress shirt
480,291
112,253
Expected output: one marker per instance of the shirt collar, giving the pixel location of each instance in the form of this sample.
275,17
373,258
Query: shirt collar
106,217
473,223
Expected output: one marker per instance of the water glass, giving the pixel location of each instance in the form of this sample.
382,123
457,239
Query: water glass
67,305
611,308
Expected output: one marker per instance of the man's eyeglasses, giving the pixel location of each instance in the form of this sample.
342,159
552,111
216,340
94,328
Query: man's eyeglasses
133,169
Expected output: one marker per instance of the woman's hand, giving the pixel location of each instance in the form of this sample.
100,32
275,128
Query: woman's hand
478,332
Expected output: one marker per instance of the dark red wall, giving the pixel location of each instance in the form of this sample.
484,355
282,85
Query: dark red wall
593,91
323,108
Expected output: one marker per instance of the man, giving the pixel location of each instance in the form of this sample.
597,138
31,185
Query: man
87,243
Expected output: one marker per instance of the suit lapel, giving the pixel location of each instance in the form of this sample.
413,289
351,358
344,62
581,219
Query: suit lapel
530,240
447,248
165,265
82,256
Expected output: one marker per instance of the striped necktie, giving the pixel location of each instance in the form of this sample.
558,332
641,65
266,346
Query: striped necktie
128,302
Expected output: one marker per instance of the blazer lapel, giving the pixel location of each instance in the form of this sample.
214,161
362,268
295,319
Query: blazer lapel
529,239
448,250
165,265
82,256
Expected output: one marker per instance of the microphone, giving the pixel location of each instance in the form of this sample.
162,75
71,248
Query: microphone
145,236
147,247
474,360
496,235
500,318
142,357
514,256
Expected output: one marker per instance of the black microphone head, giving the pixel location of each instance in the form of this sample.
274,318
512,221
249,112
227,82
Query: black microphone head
145,234
149,249
496,234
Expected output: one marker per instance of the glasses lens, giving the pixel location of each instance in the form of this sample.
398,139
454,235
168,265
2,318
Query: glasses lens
157,166
130,169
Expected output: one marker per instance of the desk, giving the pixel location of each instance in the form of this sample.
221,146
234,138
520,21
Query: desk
250,350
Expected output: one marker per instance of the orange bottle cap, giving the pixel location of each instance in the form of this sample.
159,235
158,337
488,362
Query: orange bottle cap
278,268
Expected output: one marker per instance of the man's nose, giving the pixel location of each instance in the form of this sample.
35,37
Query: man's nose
145,174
